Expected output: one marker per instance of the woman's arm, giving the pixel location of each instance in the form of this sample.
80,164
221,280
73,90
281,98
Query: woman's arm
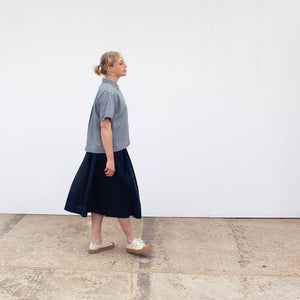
106,136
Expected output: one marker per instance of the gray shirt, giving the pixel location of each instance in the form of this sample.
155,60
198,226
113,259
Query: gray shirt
109,102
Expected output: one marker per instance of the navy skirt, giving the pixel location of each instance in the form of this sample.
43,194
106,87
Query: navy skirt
92,191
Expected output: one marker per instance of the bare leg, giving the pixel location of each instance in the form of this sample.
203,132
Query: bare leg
96,228
126,226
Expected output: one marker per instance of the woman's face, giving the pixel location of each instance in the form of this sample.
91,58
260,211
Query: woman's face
119,68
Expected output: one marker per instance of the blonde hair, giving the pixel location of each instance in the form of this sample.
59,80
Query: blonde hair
107,59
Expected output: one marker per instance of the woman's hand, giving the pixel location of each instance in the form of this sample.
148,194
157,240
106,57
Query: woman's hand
110,168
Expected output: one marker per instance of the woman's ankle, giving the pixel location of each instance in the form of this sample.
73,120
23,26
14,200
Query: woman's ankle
129,240
97,241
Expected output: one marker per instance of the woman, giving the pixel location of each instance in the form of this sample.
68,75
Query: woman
105,183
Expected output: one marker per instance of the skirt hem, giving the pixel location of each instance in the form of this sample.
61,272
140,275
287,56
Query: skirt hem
84,214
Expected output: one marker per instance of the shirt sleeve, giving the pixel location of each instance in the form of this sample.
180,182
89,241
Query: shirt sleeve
106,106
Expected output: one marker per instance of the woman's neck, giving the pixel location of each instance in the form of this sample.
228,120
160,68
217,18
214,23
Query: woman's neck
113,78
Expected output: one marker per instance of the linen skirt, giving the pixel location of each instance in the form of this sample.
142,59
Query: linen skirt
92,191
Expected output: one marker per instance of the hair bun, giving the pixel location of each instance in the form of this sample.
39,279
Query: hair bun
97,70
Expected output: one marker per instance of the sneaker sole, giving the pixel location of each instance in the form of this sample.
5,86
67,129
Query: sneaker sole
139,251
92,251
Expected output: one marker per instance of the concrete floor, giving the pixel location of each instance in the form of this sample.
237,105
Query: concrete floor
45,257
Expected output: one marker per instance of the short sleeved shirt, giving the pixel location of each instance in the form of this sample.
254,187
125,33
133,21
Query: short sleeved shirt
109,103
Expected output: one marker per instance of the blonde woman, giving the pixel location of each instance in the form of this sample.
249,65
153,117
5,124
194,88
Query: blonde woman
105,183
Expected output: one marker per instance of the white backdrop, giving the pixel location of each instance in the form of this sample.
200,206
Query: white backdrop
212,90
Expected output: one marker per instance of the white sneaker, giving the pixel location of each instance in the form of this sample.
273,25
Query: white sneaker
105,245
137,246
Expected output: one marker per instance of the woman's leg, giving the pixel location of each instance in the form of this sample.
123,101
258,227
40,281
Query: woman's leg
125,224
96,228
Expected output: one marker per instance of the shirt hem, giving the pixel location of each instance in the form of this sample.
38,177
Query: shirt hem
101,150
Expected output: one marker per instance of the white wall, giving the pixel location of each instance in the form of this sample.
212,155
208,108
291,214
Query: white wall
212,91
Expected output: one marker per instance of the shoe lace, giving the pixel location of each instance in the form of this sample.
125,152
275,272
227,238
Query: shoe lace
140,240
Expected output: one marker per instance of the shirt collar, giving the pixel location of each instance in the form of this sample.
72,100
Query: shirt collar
110,82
